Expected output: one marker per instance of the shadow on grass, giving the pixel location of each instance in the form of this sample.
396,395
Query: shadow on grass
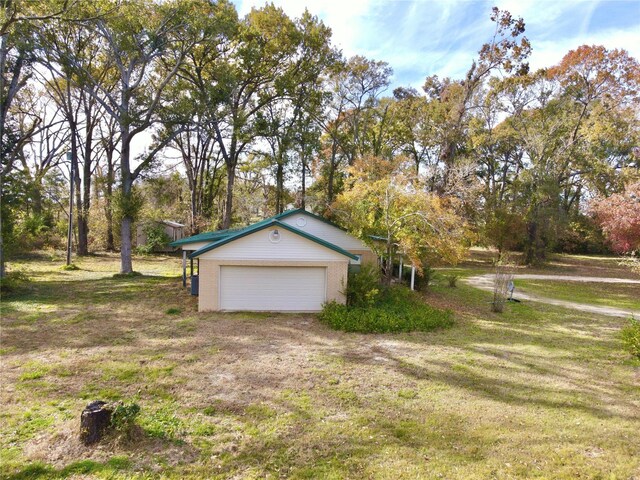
90,313
147,443
39,470
532,356
517,361
576,395
304,442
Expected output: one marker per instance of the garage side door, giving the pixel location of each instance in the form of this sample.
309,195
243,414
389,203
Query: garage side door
272,288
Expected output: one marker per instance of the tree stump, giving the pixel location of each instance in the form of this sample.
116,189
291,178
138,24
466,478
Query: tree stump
94,421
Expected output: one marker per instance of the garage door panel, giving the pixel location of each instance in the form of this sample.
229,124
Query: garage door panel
272,288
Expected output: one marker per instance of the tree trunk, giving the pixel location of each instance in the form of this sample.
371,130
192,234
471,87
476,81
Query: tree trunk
228,209
194,208
94,422
304,183
80,220
126,265
108,210
73,181
388,271
332,168
279,187
2,268
37,196
83,208
83,230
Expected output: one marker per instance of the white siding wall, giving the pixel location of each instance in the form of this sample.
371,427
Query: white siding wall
325,231
258,246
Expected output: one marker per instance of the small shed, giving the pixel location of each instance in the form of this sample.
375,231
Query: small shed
174,231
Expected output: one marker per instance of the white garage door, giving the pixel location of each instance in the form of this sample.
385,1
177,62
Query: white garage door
272,288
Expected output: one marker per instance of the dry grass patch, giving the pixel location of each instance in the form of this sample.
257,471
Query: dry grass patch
536,392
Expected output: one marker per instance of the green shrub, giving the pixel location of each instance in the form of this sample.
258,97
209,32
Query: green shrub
452,280
421,282
582,236
398,309
156,238
123,417
126,275
428,276
631,337
363,287
173,311
71,266
36,232
13,282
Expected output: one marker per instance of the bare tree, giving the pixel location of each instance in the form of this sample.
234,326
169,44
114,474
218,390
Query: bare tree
502,285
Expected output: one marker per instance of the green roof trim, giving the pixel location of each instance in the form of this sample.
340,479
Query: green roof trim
202,237
271,222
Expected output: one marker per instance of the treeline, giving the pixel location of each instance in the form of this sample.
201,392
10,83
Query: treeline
181,109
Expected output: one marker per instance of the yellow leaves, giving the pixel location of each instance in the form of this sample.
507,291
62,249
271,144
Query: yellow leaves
386,198
370,168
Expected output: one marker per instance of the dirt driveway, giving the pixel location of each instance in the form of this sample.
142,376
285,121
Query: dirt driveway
485,282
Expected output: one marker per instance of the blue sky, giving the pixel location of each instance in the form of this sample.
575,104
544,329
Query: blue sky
425,37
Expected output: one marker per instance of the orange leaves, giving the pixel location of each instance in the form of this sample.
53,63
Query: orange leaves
593,72
619,216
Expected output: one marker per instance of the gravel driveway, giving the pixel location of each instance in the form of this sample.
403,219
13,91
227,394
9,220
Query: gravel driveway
485,282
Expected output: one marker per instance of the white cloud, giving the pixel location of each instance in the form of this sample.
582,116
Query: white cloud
550,52
342,16
425,37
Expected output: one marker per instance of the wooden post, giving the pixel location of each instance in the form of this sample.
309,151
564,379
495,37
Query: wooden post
191,268
184,268
413,277
400,269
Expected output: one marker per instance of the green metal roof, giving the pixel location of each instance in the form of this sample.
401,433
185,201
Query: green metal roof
270,222
202,237
220,234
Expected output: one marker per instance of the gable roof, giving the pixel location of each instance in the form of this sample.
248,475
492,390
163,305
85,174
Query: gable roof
270,222
221,234
313,215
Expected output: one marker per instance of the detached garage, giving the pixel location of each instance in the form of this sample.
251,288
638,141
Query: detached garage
271,266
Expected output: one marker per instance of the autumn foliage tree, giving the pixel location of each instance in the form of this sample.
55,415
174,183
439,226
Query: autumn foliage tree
619,216
254,106
387,200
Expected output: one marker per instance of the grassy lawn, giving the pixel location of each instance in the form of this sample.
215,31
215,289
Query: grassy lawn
558,264
605,294
537,392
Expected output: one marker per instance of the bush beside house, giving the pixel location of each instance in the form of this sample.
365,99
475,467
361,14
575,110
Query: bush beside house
373,309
